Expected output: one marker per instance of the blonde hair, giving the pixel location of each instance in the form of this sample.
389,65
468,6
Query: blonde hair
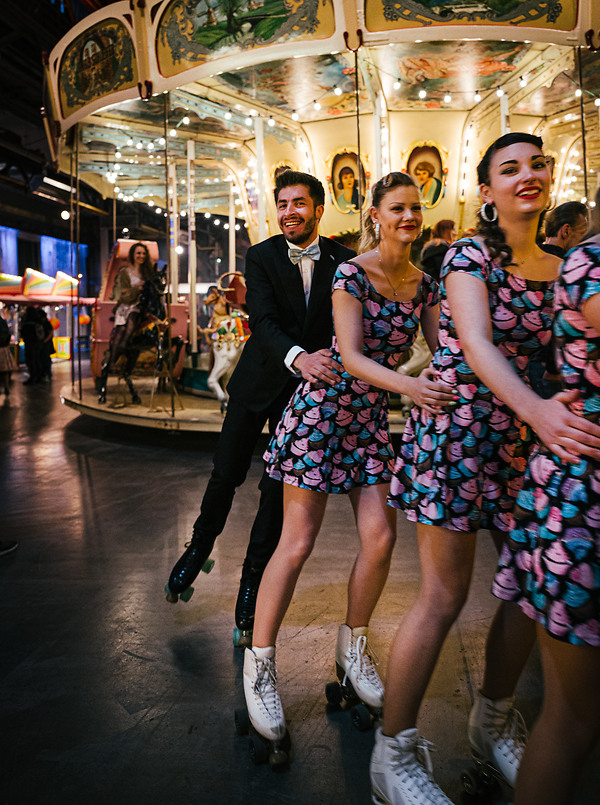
381,188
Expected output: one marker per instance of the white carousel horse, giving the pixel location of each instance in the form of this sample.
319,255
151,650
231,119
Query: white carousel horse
226,334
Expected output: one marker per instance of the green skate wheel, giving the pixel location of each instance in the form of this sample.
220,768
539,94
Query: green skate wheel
187,594
208,565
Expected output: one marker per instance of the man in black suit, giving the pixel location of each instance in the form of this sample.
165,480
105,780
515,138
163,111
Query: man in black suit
288,280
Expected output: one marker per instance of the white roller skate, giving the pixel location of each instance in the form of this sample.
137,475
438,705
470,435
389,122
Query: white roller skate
497,735
265,713
358,678
401,771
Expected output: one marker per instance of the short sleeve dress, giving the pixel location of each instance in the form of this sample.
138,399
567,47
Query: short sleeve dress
333,438
463,467
550,564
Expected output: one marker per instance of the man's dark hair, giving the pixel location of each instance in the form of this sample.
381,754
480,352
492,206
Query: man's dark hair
289,178
568,213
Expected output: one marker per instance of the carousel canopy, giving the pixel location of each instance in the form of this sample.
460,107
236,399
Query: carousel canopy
259,84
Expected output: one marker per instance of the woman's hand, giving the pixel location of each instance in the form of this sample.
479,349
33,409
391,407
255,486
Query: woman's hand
568,435
429,392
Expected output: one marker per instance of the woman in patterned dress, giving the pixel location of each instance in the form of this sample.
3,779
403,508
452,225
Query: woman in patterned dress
550,564
335,439
460,471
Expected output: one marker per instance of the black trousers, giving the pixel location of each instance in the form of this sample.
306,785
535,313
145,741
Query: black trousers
239,435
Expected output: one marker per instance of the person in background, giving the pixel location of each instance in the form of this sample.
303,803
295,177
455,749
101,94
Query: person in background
550,565
47,347
564,227
443,236
7,361
460,471
32,333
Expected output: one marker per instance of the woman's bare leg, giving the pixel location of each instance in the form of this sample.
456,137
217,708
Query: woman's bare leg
303,515
446,565
568,726
376,523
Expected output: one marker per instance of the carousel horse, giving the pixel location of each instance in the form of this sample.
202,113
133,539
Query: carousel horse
226,334
417,358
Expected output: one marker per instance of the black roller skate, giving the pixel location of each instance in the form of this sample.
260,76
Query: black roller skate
245,606
194,559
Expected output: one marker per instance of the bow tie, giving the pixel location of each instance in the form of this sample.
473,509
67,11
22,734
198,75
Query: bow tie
313,252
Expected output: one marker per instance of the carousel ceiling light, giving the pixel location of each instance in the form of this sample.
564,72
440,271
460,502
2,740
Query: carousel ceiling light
151,203
225,226
447,98
237,227
117,155
217,221
162,141
227,115
139,146
65,215
316,106
150,147
117,167
422,94
337,91
185,120
179,249
207,215
578,93
477,97
125,230
270,122
172,133
397,84
499,92
130,141
158,210
295,115
248,121
522,82
183,213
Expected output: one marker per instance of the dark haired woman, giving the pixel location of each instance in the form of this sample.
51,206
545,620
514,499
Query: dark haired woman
460,471
128,314
429,185
335,440
443,236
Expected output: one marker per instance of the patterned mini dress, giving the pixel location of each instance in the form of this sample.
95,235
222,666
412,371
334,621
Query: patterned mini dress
550,564
463,467
333,438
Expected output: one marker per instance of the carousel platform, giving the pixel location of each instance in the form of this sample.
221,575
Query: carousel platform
180,411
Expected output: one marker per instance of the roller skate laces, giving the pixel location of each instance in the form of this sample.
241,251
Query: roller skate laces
402,772
262,698
498,735
358,664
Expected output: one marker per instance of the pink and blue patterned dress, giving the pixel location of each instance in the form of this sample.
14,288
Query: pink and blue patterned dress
550,564
333,438
463,467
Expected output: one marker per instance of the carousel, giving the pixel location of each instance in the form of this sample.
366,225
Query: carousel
192,106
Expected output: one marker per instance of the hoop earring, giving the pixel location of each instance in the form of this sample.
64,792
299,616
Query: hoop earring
377,231
486,215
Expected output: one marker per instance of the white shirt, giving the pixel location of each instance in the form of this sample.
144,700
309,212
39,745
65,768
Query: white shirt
306,267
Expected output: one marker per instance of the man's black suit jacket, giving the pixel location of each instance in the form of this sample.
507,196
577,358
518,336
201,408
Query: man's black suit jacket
280,318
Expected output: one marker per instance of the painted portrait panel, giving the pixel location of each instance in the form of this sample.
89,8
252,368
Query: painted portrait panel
425,166
348,189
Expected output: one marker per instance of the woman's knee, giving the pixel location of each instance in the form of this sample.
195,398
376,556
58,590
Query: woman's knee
378,544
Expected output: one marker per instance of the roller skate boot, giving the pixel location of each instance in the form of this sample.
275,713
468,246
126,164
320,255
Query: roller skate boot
359,683
401,771
497,735
135,397
269,738
194,559
245,606
102,383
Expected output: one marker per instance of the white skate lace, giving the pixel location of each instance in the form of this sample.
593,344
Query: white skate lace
366,661
265,689
508,731
415,769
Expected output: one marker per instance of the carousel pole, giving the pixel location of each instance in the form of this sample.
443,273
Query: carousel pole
168,233
72,267
260,178
231,230
582,113
77,239
355,50
192,253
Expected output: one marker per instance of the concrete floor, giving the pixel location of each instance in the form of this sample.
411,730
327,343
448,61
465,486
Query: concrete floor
111,695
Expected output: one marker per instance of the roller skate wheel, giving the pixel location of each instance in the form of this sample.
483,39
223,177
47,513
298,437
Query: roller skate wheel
470,780
172,598
242,722
242,638
278,757
187,594
333,693
361,717
257,749
208,565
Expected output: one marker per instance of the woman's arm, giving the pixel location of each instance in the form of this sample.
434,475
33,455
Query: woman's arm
424,390
564,433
